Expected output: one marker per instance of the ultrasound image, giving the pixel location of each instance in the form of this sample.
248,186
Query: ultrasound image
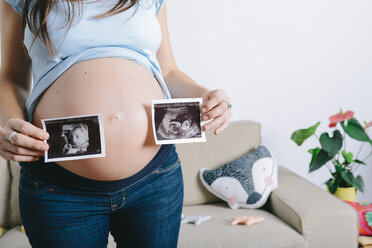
74,137
177,120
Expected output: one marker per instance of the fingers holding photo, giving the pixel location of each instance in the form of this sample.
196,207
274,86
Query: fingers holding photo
27,128
16,142
18,139
213,98
216,105
220,123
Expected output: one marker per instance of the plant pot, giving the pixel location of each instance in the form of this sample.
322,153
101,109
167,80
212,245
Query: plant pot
345,193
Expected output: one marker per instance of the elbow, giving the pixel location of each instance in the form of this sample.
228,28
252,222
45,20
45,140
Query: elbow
169,71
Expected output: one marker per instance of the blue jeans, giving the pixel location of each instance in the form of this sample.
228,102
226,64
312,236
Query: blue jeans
146,213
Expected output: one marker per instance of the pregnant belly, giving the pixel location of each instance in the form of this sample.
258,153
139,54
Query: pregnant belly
121,90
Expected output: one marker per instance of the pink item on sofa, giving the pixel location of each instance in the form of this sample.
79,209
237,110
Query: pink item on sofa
246,220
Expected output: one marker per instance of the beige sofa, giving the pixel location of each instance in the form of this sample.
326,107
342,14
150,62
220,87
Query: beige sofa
297,214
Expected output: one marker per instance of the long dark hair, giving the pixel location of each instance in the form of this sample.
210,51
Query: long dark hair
43,7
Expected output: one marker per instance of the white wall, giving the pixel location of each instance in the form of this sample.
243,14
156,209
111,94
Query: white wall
286,64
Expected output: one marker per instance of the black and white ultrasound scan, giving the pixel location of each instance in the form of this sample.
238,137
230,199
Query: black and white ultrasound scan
74,137
177,120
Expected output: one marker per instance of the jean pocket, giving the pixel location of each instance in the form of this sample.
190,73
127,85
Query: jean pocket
29,184
168,168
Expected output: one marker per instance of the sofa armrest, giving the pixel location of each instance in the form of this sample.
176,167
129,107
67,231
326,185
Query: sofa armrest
323,219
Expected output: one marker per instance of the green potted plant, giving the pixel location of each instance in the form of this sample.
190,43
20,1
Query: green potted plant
343,182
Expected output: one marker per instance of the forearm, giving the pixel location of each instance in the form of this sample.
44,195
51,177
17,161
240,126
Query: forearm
12,100
181,85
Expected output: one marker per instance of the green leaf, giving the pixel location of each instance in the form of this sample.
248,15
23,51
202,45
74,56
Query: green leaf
355,130
348,177
337,176
348,156
338,169
300,135
358,183
331,145
359,162
332,186
321,158
314,152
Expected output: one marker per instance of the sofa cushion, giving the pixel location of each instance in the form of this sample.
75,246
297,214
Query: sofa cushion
218,231
4,192
9,206
14,238
14,215
236,140
244,182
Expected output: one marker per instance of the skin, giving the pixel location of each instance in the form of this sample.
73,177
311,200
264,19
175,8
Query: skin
120,89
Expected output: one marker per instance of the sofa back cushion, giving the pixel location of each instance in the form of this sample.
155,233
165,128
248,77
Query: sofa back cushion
238,139
14,217
4,192
9,208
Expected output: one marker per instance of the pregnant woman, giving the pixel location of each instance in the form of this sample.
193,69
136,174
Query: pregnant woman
88,57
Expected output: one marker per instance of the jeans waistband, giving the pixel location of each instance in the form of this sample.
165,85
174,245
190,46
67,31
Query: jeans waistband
54,174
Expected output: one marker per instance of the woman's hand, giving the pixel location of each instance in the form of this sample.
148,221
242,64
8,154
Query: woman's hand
27,143
216,104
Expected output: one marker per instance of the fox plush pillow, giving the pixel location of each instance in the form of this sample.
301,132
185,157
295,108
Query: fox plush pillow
245,182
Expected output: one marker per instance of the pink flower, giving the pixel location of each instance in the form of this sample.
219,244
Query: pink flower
334,119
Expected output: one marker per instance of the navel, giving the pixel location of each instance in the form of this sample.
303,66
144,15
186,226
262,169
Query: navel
117,116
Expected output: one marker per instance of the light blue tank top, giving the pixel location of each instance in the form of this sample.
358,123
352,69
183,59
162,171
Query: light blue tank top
134,34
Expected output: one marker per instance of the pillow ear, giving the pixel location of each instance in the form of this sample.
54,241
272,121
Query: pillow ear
244,182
